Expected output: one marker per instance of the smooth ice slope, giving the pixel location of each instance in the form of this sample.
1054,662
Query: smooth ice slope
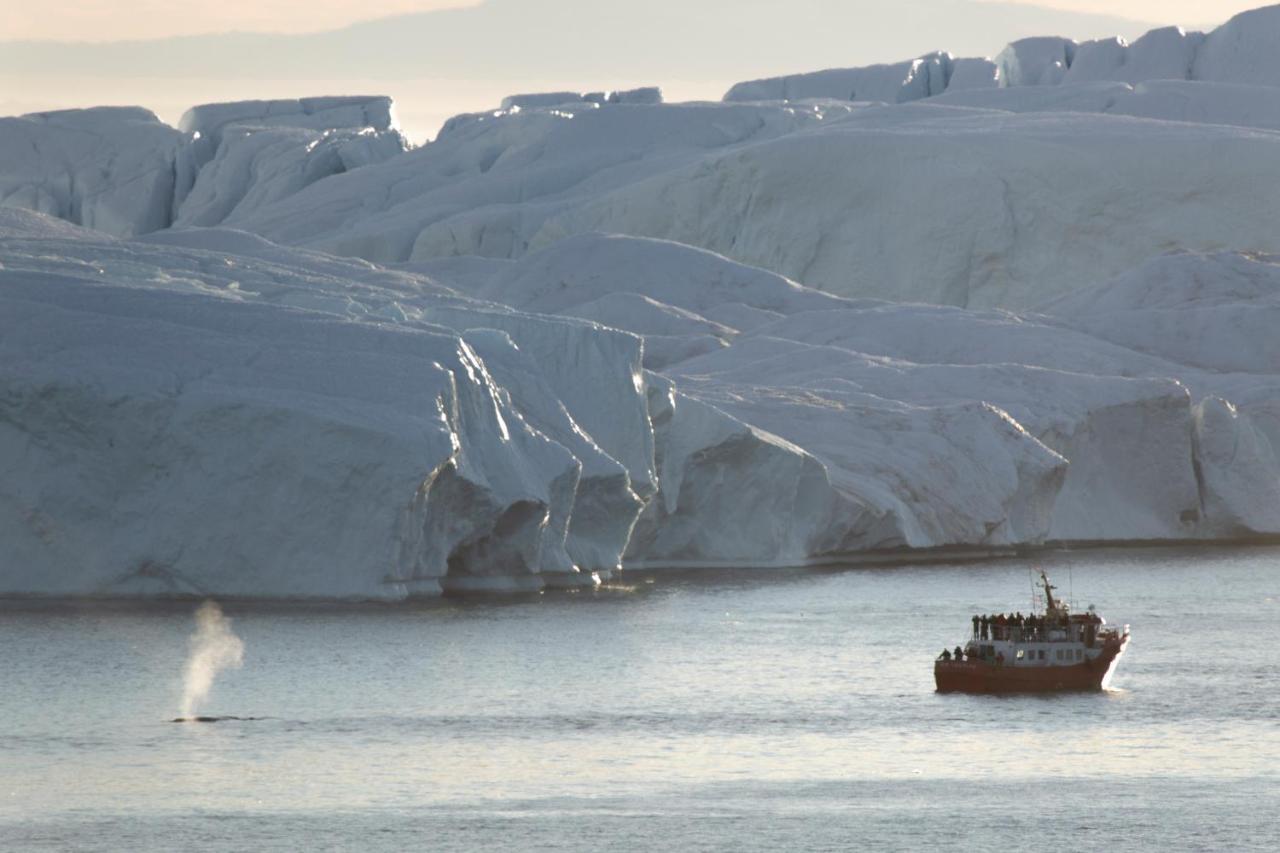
1214,312
486,187
1164,100
518,181
1012,208
683,300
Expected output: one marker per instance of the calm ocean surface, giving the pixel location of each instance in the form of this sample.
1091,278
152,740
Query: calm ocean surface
715,711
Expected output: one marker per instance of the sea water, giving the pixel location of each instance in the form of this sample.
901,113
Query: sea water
742,710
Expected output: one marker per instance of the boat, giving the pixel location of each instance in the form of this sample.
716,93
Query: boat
1053,650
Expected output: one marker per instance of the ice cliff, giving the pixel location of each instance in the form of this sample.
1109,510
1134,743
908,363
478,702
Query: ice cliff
278,352
1241,51
114,169
122,171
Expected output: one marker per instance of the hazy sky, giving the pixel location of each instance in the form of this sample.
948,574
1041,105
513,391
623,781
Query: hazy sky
108,20
114,20
1184,12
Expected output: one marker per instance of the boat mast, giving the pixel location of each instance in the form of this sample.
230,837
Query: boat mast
1051,603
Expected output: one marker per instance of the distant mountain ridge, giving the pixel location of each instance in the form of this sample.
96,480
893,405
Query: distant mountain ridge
661,40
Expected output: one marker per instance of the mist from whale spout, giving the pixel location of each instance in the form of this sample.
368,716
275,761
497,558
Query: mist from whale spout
214,647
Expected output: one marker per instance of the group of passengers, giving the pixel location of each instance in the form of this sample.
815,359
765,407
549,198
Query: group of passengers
1012,627
1018,628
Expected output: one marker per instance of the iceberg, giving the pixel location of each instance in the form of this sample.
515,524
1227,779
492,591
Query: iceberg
1037,61
181,421
114,169
893,83
375,112
204,412
254,166
122,171
1241,51
995,303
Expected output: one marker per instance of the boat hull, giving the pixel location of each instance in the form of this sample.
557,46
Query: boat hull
982,677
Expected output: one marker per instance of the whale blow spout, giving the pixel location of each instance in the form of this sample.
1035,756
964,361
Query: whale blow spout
214,647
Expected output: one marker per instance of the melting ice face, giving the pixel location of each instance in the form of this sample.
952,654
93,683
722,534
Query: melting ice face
213,648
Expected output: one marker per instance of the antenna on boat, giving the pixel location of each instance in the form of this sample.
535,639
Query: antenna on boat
1050,603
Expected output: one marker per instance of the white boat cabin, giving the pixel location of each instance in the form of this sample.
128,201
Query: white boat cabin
1053,637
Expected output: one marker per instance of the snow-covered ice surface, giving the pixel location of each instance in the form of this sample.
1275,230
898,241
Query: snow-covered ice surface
276,352
922,201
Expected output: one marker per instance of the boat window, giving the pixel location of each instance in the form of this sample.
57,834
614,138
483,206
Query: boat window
1079,654
1042,654
1021,654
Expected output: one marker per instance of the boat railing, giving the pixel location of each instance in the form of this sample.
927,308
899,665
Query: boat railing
1014,634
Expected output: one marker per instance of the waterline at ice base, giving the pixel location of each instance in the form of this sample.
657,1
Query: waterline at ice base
951,305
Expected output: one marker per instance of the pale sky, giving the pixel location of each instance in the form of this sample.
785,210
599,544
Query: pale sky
1184,12
110,20
116,20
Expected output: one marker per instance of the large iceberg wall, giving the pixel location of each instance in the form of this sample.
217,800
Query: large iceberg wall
180,421
892,83
114,169
209,121
794,367
253,166
844,380
226,470
122,171
1242,51
580,332
204,412
255,152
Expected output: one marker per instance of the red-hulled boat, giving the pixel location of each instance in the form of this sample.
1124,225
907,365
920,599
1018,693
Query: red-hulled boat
1053,650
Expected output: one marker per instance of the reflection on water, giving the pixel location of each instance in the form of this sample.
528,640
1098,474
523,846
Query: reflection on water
731,709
